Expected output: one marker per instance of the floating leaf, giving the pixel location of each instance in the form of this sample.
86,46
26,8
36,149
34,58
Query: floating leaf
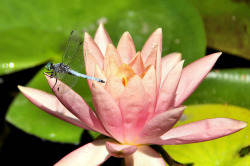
222,151
227,25
42,34
228,86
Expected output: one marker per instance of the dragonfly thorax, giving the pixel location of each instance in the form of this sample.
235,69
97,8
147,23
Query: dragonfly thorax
61,68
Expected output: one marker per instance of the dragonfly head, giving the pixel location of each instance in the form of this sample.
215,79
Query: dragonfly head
49,66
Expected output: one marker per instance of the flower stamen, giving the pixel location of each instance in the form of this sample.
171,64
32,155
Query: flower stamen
125,73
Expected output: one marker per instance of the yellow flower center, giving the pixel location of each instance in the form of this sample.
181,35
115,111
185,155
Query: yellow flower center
125,73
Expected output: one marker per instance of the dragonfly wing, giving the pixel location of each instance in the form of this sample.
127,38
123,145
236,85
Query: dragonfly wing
59,75
77,61
69,80
72,47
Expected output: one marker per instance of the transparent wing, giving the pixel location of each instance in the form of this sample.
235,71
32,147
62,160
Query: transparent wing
72,47
77,61
59,75
69,80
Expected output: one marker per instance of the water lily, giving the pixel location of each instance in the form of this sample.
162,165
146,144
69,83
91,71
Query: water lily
137,106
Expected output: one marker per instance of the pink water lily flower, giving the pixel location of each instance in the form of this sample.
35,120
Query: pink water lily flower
138,104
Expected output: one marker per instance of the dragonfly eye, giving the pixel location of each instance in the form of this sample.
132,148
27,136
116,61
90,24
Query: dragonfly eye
49,66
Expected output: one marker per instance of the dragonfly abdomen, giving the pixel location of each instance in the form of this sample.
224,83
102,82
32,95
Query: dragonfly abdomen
72,72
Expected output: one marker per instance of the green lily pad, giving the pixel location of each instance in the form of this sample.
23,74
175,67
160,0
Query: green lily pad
23,48
227,86
42,34
181,26
227,25
51,24
222,151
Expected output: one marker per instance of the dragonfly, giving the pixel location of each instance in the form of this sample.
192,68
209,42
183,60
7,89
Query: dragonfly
72,63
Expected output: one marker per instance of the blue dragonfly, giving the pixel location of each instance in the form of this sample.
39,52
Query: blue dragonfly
72,64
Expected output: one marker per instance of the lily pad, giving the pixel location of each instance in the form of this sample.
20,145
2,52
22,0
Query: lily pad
23,48
181,26
222,151
227,25
227,86
51,24
43,34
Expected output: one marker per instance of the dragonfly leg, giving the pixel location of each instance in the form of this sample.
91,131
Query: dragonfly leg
51,76
56,80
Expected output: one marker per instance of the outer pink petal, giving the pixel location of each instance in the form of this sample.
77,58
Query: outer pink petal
126,47
145,156
114,87
91,154
119,150
158,68
160,124
91,47
50,104
149,83
108,111
100,74
153,40
102,38
155,59
168,90
134,108
168,63
192,76
151,59
90,66
200,131
77,106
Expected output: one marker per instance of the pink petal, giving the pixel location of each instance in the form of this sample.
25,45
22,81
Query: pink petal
192,76
168,63
126,47
108,111
119,150
158,68
155,59
91,47
91,154
160,124
134,108
111,52
151,59
77,106
200,131
114,87
168,90
145,156
50,104
112,67
149,83
153,40
90,66
100,74
137,64
102,38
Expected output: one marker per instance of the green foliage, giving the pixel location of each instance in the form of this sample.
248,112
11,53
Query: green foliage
222,151
227,25
228,86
